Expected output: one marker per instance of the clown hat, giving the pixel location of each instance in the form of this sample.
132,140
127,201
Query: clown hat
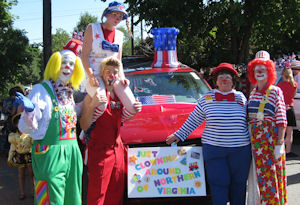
263,55
262,58
165,55
74,45
225,66
116,6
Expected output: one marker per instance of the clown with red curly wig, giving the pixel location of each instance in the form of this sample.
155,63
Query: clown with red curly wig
267,119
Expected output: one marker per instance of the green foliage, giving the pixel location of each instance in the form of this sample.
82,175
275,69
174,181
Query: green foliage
126,49
224,30
20,62
278,28
6,18
84,20
59,39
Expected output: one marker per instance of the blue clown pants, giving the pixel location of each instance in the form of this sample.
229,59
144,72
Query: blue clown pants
227,170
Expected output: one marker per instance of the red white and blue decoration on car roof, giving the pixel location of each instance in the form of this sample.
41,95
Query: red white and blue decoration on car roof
165,55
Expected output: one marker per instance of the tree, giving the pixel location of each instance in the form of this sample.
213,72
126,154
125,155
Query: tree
225,30
184,15
59,39
278,28
16,55
84,20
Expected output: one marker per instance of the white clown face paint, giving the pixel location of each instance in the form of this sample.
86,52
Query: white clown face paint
260,73
67,65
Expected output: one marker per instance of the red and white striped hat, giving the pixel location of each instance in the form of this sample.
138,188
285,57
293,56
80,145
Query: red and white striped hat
264,55
74,45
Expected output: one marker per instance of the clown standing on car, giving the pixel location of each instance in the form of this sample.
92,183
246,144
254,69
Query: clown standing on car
50,118
267,119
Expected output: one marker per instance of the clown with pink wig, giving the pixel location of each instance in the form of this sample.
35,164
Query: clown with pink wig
267,119
49,117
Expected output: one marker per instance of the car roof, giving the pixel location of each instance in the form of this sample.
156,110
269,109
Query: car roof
143,64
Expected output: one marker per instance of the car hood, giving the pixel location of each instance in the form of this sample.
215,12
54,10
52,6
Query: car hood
155,122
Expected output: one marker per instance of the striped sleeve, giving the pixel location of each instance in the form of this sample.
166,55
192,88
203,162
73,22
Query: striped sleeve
97,113
195,119
280,112
126,115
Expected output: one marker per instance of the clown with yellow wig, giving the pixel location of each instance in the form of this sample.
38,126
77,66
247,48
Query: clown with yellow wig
49,117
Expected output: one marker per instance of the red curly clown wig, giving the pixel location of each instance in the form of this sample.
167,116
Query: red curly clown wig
271,70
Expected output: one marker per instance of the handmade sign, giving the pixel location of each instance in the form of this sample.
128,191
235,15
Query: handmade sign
165,172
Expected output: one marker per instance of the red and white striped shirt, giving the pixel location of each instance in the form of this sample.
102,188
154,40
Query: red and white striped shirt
274,110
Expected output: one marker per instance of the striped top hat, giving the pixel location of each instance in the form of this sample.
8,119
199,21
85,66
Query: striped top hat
74,45
165,55
264,55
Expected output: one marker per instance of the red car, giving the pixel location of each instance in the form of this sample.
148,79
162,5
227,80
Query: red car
168,96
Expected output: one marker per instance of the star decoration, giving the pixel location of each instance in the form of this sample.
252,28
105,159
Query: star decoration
97,36
258,163
273,190
269,162
198,184
272,201
259,151
268,174
133,159
258,171
269,183
270,140
258,135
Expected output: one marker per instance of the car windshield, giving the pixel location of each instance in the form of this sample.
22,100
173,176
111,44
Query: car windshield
167,87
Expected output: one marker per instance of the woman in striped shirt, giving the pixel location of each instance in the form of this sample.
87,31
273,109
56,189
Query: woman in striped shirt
225,140
267,118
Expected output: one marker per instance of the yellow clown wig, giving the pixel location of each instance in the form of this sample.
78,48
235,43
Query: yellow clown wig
53,68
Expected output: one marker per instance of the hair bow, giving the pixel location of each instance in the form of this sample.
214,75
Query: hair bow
110,46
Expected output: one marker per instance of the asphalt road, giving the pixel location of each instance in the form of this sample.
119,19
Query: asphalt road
9,189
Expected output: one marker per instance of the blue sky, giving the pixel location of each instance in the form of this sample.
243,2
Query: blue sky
65,15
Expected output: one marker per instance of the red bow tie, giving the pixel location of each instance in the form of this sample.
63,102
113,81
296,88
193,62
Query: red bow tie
221,97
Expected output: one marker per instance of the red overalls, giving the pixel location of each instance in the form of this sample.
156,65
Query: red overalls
106,165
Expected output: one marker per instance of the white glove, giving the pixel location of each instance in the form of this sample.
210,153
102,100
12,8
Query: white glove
279,151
